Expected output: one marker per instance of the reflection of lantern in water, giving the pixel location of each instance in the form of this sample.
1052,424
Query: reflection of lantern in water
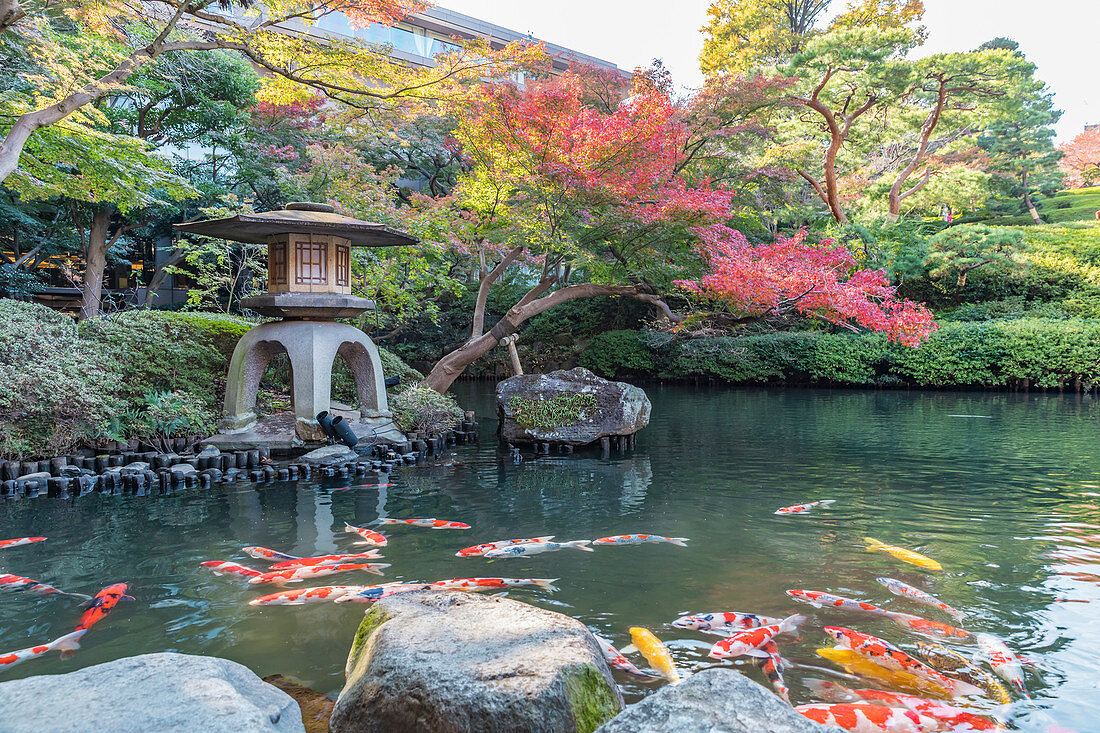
309,286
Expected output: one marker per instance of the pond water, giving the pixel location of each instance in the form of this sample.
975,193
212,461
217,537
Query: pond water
1002,489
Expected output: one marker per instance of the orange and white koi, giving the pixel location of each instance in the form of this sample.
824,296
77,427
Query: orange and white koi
857,665
929,628
479,584
5,544
749,642
297,575
372,593
818,599
639,539
772,667
655,653
66,644
219,567
618,660
370,537
804,508
326,560
861,717
19,583
537,548
479,550
302,596
723,622
102,604
263,553
955,717
913,558
426,523
885,654
1004,661
898,588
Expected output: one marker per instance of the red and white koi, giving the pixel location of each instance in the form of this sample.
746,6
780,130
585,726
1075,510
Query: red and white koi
426,523
537,548
102,604
616,659
19,583
1005,662
370,537
749,642
861,717
772,667
885,654
479,584
326,560
66,644
929,628
263,553
372,593
724,622
297,575
955,717
219,567
479,550
639,539
302,596
898,588
804,508
5,544
817,599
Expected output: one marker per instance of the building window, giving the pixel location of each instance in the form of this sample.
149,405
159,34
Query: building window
276,265
343,265
310,268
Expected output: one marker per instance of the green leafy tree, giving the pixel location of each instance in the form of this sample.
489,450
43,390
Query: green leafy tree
960,250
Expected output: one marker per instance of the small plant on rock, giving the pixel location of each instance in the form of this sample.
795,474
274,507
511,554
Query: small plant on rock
423,410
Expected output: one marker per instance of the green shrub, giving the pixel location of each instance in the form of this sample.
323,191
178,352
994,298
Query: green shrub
167,415
558,411
424,410
618,353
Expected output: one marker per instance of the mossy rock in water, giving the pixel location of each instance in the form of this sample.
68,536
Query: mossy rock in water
447,661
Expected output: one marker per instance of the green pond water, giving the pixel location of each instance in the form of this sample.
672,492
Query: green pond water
1002,489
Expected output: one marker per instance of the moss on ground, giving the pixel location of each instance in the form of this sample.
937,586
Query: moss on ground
370,623
590,697
555,412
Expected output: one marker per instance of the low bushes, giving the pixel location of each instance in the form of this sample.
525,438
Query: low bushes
424,410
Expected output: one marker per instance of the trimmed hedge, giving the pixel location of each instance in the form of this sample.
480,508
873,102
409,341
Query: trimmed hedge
1039,352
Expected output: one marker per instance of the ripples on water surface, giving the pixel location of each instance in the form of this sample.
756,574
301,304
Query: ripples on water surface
1008,502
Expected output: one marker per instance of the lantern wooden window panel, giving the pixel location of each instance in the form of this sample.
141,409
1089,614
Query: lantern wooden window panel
343,265
310,263
276,271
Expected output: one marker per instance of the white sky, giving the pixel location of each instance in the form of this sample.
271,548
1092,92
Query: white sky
1058,35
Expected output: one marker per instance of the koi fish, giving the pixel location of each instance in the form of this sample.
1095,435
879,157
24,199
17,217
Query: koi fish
5,544
655,653
817,599
861,717
19,583
932,628
950,715
369,536
772,667
262,553
479,550
639,539
326,560
956,665
616,659
427,523
365,486
749,642
857,665
372,593
66,644
723,623
804,508
102,604
537,548
1003,660
302,596
297,575
913,558
887,655
219,567
899,588
478,584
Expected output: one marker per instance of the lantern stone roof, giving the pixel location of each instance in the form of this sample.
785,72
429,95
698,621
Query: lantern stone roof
301,218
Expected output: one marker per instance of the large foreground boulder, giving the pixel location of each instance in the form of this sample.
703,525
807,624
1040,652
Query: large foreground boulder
447,661
573,407
715,700
150,692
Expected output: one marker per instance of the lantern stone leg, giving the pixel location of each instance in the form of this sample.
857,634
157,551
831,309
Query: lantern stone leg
312,347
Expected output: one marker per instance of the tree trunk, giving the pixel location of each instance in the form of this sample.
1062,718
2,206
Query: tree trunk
95,262
10,14
1027,200
161,275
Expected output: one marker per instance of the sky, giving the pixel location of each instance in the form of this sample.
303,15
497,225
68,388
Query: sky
1058,35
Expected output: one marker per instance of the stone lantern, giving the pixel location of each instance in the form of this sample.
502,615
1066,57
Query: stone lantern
308,287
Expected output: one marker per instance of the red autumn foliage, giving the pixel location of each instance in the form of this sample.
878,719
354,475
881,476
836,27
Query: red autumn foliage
821,281
1081,159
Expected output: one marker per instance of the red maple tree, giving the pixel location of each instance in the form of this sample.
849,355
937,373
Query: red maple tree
1081,159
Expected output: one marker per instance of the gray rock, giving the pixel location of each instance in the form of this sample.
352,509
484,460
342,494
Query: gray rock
716,700
448,661
135,467
183,468
150,692
209,452
330,454
36,476
615,408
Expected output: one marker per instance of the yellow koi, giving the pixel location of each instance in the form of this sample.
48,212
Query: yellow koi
655,652
897,679
913,558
